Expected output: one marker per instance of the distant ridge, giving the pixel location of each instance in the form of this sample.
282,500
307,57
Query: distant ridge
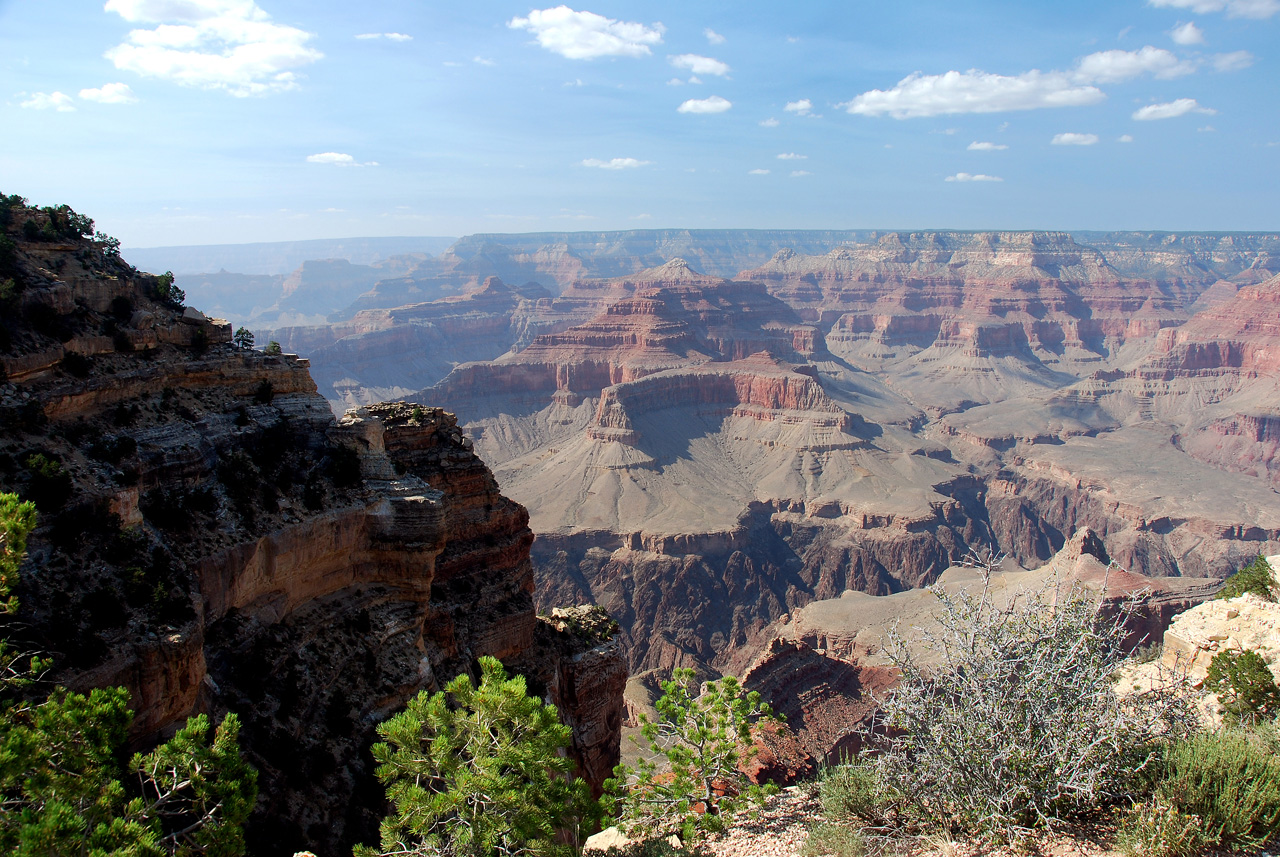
278,257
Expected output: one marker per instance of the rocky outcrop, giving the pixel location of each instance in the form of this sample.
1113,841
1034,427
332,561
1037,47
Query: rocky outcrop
213,540
826,668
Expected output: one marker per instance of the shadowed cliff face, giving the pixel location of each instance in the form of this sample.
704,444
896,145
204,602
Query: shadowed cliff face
213,540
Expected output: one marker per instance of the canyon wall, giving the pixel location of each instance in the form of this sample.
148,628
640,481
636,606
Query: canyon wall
213,540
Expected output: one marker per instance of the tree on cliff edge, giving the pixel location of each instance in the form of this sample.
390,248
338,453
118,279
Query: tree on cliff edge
477,770
62,788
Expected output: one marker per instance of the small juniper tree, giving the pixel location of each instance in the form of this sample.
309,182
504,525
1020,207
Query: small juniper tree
1256,577
1244,685
703,739
243,338
477,770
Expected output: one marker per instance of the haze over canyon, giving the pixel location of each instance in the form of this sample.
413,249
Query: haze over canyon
711,428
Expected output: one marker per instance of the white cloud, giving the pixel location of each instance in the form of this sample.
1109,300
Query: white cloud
757,172
700,64
395,37
577,81
713,37
214,44
795,174
973,91
1170,110
769,123
800,108
338,159
1233,61
714,104
1234,8
976,146
1117,65
482,61
1125,138
110,93
792,156
971,177
675,81
643,217
615,163
58,101
1187,34
1070,138
586,35
1207,128
693,78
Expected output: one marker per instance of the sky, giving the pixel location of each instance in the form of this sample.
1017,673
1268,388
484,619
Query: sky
226,121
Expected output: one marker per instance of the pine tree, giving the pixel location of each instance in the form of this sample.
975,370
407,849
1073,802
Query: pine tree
61,786
477,770
704,738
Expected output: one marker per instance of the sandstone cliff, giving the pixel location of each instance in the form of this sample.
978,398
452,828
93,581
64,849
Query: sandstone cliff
211,539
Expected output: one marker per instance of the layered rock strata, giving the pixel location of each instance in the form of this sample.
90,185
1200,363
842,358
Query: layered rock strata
211,539
826,664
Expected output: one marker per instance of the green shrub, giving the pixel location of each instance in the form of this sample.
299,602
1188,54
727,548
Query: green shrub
1231,780
273,347
854,794
1244,685
1256,577
1154,828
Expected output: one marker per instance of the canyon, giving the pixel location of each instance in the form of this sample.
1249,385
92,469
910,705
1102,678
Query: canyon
705,452
212,539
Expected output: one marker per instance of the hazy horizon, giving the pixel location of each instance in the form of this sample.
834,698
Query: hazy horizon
199,122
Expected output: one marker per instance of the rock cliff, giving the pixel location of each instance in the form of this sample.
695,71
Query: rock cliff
212,539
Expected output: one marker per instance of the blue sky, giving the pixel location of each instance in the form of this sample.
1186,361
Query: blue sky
208,121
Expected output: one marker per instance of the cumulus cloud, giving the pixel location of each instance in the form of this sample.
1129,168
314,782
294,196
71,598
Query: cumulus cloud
1071,138
1171,110
110,93
973,91
1234,8
58,101
230,45
769,123
700,64
801,108
1117,65
338,159
713,37
615,163
977,146
973,177
1187,34
586,35
792,156
1125,138
1233,61
714,104
395,37
757,172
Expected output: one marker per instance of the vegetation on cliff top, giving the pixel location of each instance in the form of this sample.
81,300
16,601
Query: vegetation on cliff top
63,789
